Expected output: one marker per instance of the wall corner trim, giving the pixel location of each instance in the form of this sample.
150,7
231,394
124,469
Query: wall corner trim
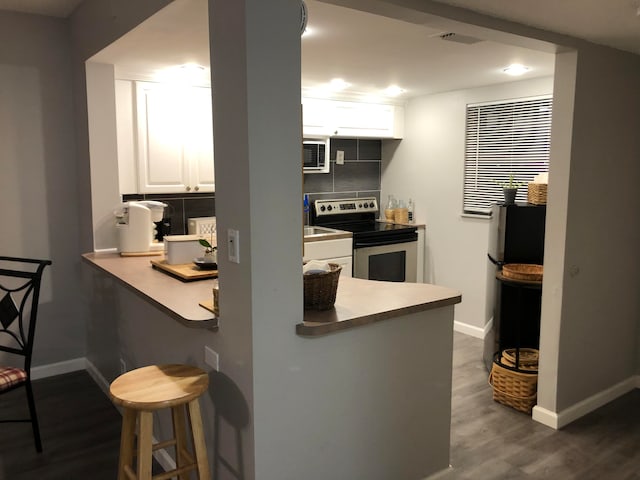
58,368
582,408
470,330
444,473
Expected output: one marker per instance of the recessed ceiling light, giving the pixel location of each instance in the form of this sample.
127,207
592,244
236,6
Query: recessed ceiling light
338,84
394,91
515,69
308,31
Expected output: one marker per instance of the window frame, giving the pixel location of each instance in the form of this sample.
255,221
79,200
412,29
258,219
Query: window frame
499,142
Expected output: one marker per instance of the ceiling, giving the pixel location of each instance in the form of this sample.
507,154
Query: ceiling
368,51
372,52
615,23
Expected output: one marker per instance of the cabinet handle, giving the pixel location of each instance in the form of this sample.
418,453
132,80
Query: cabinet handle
196,188
188,188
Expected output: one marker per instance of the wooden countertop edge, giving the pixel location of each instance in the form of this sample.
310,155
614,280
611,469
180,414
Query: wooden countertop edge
315,329
211,324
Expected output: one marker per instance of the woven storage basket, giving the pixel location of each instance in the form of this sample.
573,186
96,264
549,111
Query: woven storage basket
528,358
320,288
527,272
537,193
514,389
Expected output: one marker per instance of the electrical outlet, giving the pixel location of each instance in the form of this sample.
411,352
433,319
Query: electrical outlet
211,358
123,366
233,245
340,157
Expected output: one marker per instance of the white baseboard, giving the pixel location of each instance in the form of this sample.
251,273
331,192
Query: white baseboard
467,329
161,455
57,368
580,409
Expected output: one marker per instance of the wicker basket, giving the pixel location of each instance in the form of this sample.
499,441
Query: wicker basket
514,389
528,358
527,272
320,288
537,193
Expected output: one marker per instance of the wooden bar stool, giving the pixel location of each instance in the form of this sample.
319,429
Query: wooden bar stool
142,391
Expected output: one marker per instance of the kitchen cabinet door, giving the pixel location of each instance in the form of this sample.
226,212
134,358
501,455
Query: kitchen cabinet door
175,139
199,142
361,120
316,115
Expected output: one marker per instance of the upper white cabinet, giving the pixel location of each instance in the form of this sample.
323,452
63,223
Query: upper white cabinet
351,119
175,139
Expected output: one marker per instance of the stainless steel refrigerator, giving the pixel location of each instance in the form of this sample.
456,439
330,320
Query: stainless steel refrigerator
516,236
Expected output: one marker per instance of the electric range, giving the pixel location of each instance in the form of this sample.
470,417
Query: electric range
381,250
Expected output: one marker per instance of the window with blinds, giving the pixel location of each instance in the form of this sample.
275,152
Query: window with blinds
502,139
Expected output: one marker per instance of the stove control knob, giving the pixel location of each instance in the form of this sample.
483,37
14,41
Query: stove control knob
360,205
371,205
329,208
322,208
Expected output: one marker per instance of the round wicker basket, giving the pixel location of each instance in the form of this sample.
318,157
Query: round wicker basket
522,271
320,288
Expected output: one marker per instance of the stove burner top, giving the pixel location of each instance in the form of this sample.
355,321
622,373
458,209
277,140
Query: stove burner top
358,215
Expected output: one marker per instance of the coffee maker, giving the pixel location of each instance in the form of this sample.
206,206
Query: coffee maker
136,227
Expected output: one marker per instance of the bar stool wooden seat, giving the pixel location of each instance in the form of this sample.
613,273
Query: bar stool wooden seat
141,392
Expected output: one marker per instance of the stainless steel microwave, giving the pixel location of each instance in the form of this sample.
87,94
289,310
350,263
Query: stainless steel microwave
315,155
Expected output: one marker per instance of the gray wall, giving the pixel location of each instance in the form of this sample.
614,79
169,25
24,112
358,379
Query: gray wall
38,182
591,307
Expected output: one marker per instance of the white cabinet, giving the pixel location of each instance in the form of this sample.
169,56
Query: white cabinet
332,251
315,118
351,119
175,139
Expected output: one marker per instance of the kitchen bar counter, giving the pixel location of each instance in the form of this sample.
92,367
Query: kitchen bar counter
177,299
361,302
358,302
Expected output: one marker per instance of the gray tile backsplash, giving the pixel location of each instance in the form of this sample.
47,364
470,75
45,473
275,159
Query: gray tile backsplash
358,177
181,207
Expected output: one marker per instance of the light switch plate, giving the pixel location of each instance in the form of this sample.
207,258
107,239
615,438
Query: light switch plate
340,157
233,245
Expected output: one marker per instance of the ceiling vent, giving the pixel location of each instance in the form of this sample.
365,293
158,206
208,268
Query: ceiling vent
456,37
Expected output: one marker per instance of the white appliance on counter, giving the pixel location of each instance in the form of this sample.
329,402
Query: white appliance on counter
136,227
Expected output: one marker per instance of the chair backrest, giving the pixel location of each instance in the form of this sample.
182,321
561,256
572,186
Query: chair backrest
20,280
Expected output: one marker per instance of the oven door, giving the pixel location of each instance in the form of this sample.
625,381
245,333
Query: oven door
393,262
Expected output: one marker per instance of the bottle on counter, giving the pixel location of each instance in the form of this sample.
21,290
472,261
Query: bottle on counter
390,209
410,208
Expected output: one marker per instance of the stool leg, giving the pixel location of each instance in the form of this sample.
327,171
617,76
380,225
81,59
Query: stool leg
126,441
145,445
198,440
180,432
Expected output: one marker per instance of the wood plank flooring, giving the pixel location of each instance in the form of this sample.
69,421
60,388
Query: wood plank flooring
81,433
494,442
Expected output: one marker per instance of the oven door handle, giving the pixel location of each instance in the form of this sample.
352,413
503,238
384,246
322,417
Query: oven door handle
380,243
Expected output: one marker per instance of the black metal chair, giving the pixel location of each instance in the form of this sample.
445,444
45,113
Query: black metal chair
20,280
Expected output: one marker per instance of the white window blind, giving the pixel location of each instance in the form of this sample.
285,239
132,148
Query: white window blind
502,139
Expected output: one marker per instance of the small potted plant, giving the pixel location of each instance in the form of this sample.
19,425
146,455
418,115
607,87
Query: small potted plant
509,189
210,252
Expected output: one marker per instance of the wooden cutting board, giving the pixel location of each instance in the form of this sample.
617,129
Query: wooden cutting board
187,272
